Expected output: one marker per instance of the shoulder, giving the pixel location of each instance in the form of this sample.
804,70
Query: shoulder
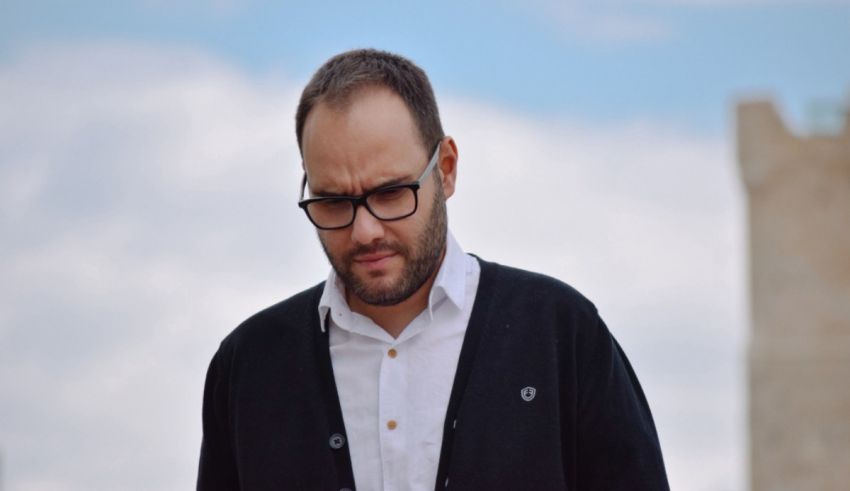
548,312
290,318
530,291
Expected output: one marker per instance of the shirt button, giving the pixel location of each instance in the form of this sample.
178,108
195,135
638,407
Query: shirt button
336,441
392,424
392,353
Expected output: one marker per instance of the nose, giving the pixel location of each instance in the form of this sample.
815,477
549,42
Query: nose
366,228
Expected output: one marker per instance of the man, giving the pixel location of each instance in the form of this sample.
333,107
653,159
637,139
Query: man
414,366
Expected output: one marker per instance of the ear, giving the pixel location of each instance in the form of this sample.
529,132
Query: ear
447,165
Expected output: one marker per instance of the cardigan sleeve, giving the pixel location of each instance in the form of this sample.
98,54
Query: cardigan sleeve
617,441
217,467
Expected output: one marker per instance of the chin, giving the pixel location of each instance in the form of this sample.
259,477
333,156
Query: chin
378,288
382,291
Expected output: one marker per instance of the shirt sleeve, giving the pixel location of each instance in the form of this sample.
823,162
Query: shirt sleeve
618,446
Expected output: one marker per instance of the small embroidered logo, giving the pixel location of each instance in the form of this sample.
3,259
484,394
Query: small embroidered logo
528,393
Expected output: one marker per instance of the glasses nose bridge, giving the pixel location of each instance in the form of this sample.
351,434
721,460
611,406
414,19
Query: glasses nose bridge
359,201
368,227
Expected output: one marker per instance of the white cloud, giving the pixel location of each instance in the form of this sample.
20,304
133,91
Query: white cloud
147,206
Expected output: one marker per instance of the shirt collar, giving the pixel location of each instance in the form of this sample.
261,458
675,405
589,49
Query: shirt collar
450,284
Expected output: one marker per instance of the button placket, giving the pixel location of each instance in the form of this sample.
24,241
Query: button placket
391,411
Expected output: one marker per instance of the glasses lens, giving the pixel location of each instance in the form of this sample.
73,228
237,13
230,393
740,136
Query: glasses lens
330,213
391,203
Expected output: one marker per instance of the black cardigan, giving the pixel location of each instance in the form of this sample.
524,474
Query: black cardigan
272,418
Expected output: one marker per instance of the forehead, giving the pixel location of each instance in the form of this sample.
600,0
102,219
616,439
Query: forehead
370,140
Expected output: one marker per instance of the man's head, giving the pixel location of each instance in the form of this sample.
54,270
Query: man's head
346,74
368,120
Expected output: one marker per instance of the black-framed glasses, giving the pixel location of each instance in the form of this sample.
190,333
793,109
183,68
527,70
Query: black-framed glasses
387,203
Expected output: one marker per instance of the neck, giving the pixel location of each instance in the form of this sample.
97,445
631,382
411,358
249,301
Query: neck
394,318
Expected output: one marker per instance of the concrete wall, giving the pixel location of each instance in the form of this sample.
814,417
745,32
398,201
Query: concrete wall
799,222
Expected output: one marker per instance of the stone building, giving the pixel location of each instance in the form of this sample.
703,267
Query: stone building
798,191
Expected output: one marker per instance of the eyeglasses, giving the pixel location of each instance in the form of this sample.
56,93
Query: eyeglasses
387,203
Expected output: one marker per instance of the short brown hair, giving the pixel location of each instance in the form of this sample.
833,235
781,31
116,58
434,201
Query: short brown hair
346,73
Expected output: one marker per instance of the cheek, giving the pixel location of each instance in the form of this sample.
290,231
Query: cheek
409,231
422,216
332,241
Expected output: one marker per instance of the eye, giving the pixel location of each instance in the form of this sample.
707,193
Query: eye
332,204
389,194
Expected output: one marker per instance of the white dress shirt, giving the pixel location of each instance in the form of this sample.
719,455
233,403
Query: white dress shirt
394,392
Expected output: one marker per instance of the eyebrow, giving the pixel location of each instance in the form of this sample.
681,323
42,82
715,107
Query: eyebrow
389,182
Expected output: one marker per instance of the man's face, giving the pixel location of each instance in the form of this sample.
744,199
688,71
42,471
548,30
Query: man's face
370,143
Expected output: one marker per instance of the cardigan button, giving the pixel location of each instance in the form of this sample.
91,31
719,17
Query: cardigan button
336,441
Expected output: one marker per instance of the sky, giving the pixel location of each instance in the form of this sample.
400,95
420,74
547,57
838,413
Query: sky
149,174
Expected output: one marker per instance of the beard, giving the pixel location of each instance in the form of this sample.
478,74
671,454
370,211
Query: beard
420,260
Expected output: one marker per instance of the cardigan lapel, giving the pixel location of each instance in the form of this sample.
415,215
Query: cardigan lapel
333,408
478,320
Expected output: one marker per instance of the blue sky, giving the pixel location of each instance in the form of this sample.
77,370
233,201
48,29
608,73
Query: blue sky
149,174
684,61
